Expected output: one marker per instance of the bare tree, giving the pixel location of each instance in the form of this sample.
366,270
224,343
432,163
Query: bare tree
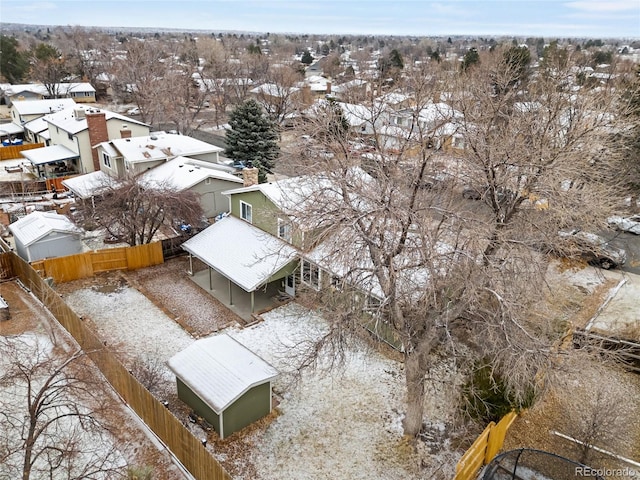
434,271
133,210
50,67
49,415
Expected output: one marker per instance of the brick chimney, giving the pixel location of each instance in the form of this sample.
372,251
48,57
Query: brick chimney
98,133
250,175
125,132
306,95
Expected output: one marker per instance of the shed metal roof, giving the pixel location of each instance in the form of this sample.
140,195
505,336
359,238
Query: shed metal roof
36,225
241,252
220,370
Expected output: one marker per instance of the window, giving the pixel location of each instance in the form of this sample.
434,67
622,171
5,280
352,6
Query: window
311,274
284,230
106,159
246,211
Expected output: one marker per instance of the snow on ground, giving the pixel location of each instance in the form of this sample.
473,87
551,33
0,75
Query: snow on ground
130,322
343,423
88,450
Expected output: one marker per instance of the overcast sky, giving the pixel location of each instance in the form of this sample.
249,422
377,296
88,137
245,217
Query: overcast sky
546,18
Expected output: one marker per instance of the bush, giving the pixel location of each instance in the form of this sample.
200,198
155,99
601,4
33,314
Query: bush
486,397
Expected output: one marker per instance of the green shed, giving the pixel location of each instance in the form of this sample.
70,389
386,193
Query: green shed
224,382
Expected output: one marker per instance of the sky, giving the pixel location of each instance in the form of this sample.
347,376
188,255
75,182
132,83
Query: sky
521,18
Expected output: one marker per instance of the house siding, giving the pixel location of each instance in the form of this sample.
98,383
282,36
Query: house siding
211,198
265,215
264,212
189,397
252,406
53,245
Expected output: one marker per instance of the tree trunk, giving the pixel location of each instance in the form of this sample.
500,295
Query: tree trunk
415,374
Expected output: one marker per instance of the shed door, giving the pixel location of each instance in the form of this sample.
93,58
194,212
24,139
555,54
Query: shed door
290,285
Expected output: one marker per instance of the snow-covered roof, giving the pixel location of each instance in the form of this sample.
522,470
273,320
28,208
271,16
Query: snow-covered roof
292,195
160,146
220,370
37,225
68,120
273,90
241,252
88,185
39,88
10,129
54,153
42,107
182,173
37,125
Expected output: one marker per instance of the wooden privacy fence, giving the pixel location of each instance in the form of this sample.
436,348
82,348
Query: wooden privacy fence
187,448
87,264
13,151
486,446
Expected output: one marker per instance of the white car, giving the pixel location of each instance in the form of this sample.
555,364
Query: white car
626,224
133,111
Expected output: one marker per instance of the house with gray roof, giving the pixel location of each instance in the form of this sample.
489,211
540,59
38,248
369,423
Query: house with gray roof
45,235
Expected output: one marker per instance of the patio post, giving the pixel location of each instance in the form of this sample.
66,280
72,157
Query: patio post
210,279
252,301
230,294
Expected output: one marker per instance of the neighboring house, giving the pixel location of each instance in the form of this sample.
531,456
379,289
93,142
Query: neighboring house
24,111
206,179
224,382
45,235
74,132
80,92
353,89
137,154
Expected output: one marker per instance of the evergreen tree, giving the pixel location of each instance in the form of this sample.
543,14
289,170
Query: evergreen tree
252,137
307,58
13,64
470,58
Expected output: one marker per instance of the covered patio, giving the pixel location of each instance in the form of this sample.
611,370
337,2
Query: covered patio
247,268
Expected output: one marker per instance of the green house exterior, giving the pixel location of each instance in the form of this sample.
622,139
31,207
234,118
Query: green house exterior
266,216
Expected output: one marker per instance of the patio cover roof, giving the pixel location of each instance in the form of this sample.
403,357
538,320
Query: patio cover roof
244,254
44,155
219,370
88,185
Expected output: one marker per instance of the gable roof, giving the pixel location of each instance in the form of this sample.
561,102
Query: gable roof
219,369
159,146
244,254
182,173
68,120
36,225
42,107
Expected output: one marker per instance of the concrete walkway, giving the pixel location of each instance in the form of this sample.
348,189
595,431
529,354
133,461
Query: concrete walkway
234,297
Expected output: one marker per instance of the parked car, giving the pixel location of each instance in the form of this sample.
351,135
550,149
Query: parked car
133,111
593,248
626,224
